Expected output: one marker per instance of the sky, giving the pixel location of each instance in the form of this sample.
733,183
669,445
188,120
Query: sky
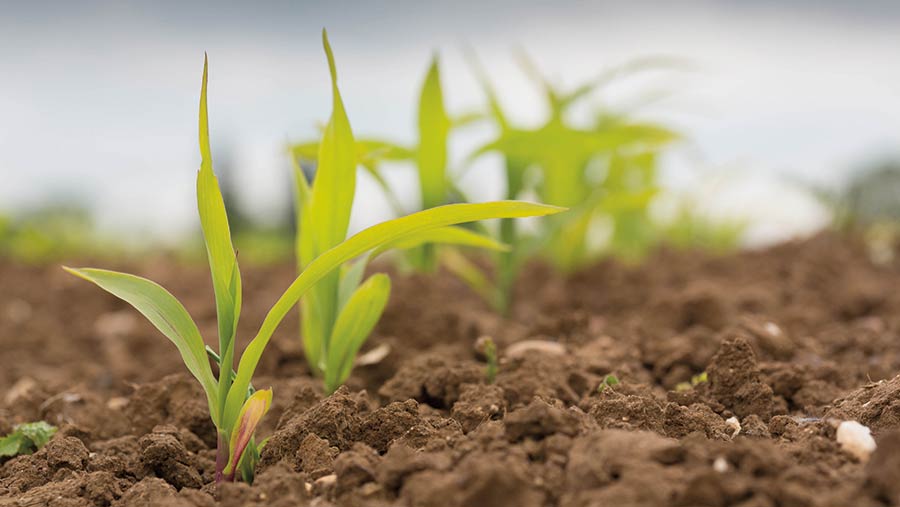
98,99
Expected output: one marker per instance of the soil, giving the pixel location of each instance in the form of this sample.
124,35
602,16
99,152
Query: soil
793,339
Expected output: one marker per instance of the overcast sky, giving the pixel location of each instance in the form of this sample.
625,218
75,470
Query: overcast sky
99,99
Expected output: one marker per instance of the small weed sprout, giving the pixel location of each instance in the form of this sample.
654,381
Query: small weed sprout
490,354
26,439
608,381
696,380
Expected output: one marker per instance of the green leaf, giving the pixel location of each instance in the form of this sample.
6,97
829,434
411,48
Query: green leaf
303,246
13,444
468,272
493,102
353,326
450,235
389,194
39,433
364,241
629,68
26,438
226,276
431,156
529,67
367,150
434,127
369,153
351,276
166,314
326,219
334,186
608,381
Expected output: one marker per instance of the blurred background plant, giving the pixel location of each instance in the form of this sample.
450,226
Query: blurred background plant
437,183
51,232
868,203
765,96
606,173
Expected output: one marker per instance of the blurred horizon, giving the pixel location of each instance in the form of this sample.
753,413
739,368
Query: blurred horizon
99,98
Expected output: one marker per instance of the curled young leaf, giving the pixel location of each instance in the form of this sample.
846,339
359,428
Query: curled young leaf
251,414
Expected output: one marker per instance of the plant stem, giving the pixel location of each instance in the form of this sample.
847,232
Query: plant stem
509,235
222,459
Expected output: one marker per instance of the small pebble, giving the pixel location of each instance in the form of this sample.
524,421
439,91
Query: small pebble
326,480
519,349
720,465
374,356
856,439
735,425
772,328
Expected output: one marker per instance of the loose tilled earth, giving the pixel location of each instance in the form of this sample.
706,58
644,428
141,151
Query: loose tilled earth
793,339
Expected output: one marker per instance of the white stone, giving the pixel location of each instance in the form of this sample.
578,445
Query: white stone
374,356
720,465
549,348
735,425
856,439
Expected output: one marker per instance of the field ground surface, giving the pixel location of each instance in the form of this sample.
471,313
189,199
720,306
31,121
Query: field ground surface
793,340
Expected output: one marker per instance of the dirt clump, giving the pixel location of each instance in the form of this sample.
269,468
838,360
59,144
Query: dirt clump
734,380
792,339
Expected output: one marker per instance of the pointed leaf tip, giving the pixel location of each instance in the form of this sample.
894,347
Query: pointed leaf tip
330,55
205,152
75,271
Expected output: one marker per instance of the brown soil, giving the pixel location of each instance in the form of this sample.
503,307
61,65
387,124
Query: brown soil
793,340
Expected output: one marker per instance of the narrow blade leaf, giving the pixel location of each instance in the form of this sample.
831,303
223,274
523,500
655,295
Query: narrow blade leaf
167,314
327,218
363,242
450,235
335,182
434,127
226,276
351,276
353,326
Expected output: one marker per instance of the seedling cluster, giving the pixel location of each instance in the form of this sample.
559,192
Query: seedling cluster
605,171
339,308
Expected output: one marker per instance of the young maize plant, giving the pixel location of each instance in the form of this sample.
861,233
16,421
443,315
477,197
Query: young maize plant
436,186
235,407
338,314
562,155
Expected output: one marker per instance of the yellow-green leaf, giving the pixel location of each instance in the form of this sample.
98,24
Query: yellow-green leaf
353,326
363,242
434,127
167,314
450,235
325,219
334,185
226,276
